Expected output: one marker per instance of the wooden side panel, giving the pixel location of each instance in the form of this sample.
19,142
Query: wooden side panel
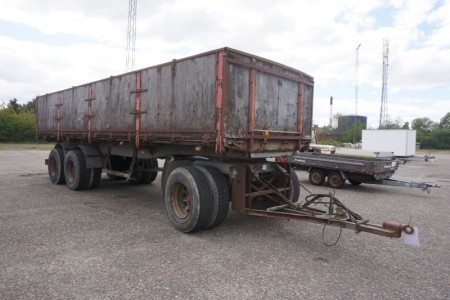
176,102
276,103
236,120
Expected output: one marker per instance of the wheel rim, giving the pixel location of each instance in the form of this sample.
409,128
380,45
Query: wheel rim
52,167
334,180
181,201
70,171
316,177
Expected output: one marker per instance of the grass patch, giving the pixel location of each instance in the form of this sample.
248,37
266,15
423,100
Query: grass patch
432,151
27,146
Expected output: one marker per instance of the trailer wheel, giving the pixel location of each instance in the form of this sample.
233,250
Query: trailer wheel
294,188
316,176
141,174
335,180
150,176
220,195
354,182
75,170
94,176
56,166
169,166
188,199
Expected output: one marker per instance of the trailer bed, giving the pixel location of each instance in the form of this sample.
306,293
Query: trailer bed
367,167
224,103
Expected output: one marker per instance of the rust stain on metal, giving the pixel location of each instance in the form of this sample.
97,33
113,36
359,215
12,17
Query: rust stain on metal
218,101
251,105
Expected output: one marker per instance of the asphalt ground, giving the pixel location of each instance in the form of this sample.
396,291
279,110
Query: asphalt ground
116,242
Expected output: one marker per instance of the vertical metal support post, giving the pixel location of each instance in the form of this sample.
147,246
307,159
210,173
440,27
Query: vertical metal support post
89,115
58,118
219,99
300,110
138,109
240,186
251,106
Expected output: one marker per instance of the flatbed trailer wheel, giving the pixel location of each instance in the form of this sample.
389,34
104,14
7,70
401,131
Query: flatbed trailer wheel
335,180
220,195
75,170
294,187
316,176
56,166
151,175
188,199
139,175
94,176
354,182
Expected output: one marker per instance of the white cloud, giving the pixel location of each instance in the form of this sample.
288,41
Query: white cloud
317,37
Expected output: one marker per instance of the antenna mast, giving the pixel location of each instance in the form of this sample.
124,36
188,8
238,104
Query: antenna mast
331,112
131,35
356,93
383,110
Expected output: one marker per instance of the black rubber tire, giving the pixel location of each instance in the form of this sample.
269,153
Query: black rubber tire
220,195
151,175
188,199
354,182
144,176
316,176
94,176
56,166
139,176
75,170
335,180
169,166
294,188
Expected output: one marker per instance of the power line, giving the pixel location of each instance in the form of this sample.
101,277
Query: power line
131,35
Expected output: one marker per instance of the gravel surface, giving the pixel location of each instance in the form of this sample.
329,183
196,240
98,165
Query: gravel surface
116,242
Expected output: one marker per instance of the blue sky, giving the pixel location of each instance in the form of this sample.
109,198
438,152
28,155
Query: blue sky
49,45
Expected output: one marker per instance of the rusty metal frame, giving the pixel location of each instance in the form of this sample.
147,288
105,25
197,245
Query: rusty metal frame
137,108
89,100
58,118
219,100
325,219
268,71
251,104
242,197
300,109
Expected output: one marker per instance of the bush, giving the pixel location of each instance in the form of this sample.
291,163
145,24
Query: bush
17,127
439,138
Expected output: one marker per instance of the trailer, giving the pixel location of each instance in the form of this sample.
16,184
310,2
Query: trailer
356,169
216,118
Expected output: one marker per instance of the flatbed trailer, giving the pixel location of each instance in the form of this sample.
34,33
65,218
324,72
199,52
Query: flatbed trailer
215,118
356,169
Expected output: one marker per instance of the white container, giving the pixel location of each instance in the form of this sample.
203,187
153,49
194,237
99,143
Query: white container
401,142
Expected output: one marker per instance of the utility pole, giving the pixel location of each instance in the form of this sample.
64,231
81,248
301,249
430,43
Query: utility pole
356,93
131,35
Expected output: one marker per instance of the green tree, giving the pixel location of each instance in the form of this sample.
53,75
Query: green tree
354,132
390,124
406,125
14,105
423,124
445,121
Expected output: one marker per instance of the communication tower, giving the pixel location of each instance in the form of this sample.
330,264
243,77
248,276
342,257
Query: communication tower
384,98
131,35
